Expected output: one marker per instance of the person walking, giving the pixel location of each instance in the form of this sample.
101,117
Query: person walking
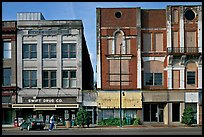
52,122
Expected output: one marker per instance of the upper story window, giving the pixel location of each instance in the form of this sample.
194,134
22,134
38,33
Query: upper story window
189,14
69,50
7,50
153,73
6,77
29,51
69,79
29,78
118,14
190,77
148,44
49,79
118,45
175,17
153,79
49,50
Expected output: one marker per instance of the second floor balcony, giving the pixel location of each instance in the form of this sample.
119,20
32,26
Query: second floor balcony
183,50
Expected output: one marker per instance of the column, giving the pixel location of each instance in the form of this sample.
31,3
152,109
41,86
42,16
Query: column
199,76
181,28
182,78
59,61
169,71
39,60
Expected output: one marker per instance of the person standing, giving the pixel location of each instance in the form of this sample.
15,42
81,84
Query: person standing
52,122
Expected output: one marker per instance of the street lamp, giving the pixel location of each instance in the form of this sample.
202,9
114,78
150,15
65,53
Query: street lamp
120,91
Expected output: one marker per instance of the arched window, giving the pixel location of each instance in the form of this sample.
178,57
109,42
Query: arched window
119,42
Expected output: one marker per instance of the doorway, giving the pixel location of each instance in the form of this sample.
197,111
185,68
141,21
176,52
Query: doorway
153,112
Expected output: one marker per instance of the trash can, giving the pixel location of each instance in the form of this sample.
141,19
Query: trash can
68,124
72,123
128,120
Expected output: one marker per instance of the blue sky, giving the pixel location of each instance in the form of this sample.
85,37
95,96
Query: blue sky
85,11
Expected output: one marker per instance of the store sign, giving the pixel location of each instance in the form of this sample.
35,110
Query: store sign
191,97
30,100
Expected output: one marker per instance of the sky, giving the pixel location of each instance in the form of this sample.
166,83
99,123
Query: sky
85,11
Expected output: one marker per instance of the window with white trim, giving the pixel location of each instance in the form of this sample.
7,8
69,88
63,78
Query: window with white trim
69,78
69,50
29,51
49,50
49,78
29,78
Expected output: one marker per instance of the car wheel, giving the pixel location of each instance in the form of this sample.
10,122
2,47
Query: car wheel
28,128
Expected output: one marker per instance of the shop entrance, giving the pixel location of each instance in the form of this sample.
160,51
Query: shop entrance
153,112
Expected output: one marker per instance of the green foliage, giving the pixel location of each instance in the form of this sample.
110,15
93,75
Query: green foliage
137,121
82,117
110,122
188,116
116,121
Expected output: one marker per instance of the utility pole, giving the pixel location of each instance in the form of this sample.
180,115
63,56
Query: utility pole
120,90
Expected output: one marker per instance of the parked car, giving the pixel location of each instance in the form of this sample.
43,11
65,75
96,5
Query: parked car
32,124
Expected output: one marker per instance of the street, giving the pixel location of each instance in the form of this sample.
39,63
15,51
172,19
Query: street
111,131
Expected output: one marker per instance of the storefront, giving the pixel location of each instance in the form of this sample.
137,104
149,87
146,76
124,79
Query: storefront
8,98
64,108
163,107
108,104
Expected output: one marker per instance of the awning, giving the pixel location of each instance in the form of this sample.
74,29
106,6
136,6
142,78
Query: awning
45,106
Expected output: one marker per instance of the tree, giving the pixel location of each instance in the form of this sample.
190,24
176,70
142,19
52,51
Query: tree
188,116
83,117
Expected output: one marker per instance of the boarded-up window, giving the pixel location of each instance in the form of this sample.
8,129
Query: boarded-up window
115,72
175,16
147,42
118,42
176,80
190,39
175,38
110,46
114,66
153,66
158,42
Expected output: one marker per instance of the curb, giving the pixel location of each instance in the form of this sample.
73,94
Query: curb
113,127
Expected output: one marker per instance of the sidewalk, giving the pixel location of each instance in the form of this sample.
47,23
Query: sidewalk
109,127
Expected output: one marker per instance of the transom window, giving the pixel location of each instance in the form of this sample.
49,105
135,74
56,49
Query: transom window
153,79
29,51
49,79
49,50
69,79
190,77
69,50
29,78
7,50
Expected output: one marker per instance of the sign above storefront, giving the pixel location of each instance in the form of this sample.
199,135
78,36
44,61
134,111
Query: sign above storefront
48,100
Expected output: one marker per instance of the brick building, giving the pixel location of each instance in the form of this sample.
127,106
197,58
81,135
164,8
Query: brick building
9,82
154,57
